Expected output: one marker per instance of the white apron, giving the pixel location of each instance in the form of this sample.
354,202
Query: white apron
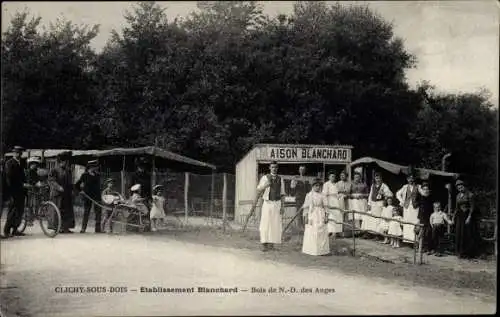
316,240
410,214
358,204
270,222
370,223
331,194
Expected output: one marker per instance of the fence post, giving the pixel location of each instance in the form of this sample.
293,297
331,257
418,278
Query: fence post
122,175
420,242
353,234
186,189
212,193
224,203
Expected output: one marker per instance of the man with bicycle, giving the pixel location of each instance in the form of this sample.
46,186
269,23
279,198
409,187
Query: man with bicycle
15,183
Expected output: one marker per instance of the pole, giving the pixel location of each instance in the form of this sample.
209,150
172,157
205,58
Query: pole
186,189
212,193
224,203
448,211
153,174
123,177
420,242
353,227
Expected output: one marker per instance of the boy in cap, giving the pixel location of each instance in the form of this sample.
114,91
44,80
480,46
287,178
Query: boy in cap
89,182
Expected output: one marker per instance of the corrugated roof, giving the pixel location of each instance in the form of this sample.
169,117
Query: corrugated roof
148,150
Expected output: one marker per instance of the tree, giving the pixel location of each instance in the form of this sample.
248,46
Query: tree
47,83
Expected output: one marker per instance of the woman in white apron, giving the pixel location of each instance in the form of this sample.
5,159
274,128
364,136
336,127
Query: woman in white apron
316,240
378,193
335,216
358,195
343,188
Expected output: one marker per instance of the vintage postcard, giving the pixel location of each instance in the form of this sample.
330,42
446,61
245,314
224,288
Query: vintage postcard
230,158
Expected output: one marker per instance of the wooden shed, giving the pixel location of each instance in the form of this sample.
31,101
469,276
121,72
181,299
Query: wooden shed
318,159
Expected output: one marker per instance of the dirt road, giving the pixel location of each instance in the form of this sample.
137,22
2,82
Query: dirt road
34,266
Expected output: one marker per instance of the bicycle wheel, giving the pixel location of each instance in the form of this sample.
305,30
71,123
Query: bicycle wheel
50,218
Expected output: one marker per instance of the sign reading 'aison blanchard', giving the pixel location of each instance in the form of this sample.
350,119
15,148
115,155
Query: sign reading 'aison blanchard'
305,154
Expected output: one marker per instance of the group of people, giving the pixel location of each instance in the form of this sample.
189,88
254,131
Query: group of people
17,182
378,212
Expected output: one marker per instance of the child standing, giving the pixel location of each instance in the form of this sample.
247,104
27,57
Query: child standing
437,220
109,197
157,211
395,227
387,211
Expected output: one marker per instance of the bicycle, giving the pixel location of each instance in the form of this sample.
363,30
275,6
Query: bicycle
39,207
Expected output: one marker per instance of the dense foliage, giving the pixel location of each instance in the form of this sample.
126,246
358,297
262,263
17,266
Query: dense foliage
226,77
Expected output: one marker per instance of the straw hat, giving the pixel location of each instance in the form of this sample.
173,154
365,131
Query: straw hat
34,159
18,149
157,187
135,188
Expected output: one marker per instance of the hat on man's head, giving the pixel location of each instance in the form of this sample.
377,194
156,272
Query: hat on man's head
411,172
135,188
141,161
18,149
34,160
459,182
64,156
108,180
93,163
157,187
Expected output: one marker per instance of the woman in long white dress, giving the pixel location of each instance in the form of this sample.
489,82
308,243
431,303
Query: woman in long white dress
334,215
316,240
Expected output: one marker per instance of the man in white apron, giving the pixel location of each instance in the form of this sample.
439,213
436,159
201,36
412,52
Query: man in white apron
408,197
273,196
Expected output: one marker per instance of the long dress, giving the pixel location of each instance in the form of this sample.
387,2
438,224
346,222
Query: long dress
157,211
378,193
270,226
395,227
409,199
357,199
331,193
466,235
383,225
316,240
60,178
425,209
343,189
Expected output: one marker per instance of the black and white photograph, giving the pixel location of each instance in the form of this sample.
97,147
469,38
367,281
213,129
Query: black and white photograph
249,158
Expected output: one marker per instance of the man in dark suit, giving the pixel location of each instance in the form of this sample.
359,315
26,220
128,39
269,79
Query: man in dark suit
90,183
61,190
15,183
299,188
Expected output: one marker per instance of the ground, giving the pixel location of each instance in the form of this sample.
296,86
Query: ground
33,266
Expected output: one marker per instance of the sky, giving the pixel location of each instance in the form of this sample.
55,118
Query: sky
456,42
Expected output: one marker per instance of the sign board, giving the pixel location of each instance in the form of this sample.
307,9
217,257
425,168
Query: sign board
323,154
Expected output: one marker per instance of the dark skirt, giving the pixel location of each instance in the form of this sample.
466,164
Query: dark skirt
466,236
65,205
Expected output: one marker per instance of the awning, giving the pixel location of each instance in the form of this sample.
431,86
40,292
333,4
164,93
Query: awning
84,155
424,173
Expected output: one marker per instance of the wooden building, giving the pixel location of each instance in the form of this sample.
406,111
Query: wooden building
318,159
